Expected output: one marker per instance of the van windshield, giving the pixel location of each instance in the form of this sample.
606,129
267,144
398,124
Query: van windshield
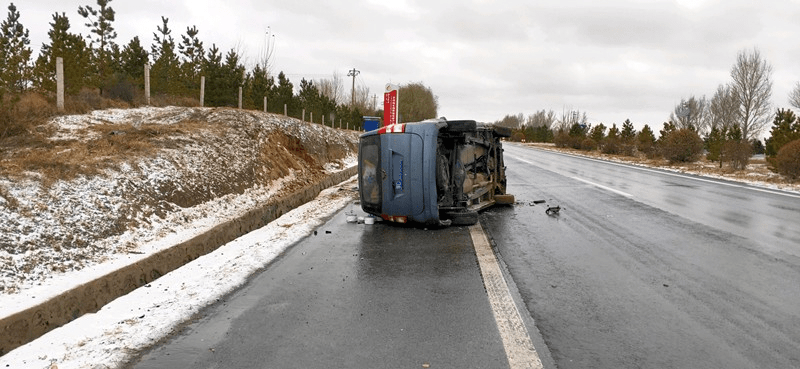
369,157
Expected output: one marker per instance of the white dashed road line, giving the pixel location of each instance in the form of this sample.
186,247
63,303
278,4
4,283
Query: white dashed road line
516,340
604,187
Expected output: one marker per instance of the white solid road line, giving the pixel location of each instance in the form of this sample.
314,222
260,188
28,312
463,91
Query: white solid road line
693,177
516,340
604,187
582,180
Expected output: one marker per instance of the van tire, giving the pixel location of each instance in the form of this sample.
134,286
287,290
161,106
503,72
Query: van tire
462,125
500,131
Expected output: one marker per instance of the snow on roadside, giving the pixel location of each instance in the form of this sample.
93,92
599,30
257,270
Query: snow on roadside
350,161
216,165
108,338
174,228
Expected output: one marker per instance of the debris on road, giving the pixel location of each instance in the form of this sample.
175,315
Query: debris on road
554,210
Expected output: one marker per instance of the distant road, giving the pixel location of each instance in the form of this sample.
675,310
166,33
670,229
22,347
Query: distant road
651,269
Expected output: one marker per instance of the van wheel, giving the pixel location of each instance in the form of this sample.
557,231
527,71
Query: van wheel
462,218
501,131
504,199
462,125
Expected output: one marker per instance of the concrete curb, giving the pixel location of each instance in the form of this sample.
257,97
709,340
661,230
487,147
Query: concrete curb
28,325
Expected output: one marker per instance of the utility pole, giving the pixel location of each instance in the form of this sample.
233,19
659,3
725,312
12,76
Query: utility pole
353,73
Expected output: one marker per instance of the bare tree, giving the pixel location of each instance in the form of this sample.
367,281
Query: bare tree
511,121
417,102
240,49
692,114
752,89
362,100
723,108
569,117
794,96
541,118
266,57
332,88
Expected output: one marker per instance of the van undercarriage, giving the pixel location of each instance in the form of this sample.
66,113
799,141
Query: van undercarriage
434,172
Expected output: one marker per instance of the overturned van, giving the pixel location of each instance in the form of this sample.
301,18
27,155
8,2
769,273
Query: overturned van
435,172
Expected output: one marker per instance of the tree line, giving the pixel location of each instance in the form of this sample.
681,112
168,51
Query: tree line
98,64
726,128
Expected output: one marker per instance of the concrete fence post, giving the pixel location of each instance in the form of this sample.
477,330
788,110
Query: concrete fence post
284,110
240,97
202,90
304,115
60,84
265,104
312,117
147,84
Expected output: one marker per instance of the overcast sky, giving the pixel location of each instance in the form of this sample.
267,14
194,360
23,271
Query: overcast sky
484,59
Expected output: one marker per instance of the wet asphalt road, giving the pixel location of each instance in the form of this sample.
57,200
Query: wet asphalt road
642,269
361,296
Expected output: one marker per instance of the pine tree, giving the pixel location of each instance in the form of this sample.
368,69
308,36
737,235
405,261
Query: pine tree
628,132
284,94
222,79
598,133
309,97
611,144
736,149
613,132
99,23
15,54
734,133
645,141
212,70
669,127
115,59
165,74
72,48
626,137
133,58
234,74
714,143
577,133
258,86
785,129
540,133
193,55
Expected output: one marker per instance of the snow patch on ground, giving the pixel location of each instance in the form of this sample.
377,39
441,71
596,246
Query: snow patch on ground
205,166
215,164
134,245
110,337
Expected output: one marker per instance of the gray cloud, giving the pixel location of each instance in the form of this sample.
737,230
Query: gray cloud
615,59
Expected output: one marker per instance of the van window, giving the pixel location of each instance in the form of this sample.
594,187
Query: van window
369,174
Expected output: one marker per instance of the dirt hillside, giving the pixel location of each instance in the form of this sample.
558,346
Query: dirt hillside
91,186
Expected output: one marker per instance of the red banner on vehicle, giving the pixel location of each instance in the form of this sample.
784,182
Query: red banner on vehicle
390,102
